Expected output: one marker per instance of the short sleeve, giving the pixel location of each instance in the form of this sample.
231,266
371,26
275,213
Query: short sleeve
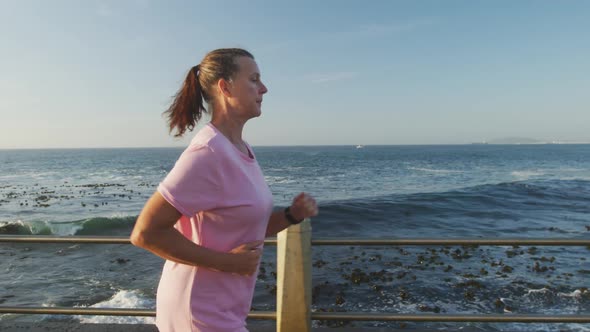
193,184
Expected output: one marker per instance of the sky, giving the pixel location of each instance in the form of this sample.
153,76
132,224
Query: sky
89,74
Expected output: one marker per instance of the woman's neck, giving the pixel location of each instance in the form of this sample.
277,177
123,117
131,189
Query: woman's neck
229,128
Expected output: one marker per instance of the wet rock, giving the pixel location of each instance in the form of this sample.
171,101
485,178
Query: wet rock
357,276
42,198
394,263
499,263
421,259
271,289
403,252
315,293
545,259
459,255
403,294
319,263
511,253
374,258
10,229
425,308
470,284
499,304
538,268
377,288
120,260
507,269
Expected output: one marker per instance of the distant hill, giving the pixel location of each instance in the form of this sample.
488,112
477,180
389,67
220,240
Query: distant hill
515,140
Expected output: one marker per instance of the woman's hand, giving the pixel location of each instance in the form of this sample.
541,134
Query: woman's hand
304,206
244,259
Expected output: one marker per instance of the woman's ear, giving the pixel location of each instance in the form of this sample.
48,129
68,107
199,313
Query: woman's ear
224,87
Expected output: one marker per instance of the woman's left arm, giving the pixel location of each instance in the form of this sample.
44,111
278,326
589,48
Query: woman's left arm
304,206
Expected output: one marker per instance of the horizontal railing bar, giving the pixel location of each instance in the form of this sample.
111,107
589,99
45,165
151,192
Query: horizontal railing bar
78,311
79,239
344,316
269,315
65,239
318,241
423,242
357,316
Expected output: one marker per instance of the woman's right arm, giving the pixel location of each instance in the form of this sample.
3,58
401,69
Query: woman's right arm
154,231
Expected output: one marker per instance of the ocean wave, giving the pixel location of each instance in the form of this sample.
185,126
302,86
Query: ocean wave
490,208
559,173
20,227
107,226
122,299
92,226
545,189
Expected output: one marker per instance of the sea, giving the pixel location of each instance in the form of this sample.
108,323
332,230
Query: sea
369,192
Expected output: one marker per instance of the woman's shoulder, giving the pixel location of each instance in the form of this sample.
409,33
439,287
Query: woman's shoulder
206,142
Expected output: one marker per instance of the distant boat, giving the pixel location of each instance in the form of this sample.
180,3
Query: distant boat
360,146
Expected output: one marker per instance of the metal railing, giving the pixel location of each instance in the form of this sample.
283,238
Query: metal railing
294,245
321,241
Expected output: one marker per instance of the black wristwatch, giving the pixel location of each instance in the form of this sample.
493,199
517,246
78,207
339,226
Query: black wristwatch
290,217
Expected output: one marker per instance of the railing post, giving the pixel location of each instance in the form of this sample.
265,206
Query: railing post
294,278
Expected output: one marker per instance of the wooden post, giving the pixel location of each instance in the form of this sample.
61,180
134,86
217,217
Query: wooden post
294,278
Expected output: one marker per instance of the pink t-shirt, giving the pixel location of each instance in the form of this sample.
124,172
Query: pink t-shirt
224,202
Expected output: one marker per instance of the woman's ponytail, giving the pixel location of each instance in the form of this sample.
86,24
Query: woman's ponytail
187,107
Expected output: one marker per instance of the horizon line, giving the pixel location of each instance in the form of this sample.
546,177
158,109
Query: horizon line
295,145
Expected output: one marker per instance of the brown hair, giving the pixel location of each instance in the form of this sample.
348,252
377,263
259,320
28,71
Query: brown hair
187,107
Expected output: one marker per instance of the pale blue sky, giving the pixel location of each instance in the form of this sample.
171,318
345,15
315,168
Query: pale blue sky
100,73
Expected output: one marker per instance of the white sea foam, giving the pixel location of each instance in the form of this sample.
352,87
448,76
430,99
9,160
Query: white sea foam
537,291
123,299
571,169
430,170
64,229
526,174
507,304
43,175
576,294
278,179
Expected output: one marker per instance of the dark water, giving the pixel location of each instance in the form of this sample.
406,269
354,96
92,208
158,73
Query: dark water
495,191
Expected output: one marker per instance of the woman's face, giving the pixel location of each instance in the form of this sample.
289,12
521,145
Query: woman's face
246,89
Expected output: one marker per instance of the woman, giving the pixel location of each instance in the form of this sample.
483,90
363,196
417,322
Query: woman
210,215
